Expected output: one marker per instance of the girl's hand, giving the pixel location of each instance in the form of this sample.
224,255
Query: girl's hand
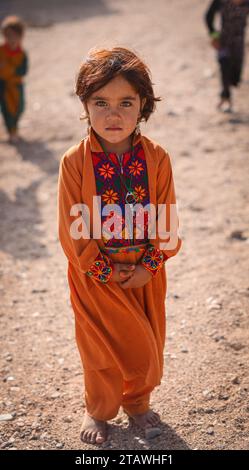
139,278
122,271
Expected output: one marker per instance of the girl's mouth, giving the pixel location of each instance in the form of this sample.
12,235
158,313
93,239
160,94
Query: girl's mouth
114,129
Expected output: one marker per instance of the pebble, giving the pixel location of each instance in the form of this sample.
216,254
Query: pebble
150,433
210,431
236,380
6,417
67,419
223,396
237,235
55,395
213,304
59,445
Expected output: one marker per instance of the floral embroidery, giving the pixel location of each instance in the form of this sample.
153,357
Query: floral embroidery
101,269
109,186
153,259
107,171
140,192
136,168
110,197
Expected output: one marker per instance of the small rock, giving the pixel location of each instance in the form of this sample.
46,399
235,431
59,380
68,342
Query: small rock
150,433
11,440
210,431
223,396
55,395
5,444
67,419
35,314
141,441
236,346
235,380
6,417
59,445
237,235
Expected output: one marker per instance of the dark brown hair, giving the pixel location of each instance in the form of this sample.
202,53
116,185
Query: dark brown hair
102,65
15,23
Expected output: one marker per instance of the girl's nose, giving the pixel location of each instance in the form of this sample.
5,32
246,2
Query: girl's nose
113,113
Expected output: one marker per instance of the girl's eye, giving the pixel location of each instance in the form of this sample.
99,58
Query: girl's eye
100,103
126,104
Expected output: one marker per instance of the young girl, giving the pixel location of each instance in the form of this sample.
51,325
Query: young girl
229,43
117,283
13,66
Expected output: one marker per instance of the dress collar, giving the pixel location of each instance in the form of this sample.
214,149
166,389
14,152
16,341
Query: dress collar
95,144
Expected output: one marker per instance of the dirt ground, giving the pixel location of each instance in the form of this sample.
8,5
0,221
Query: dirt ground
203,397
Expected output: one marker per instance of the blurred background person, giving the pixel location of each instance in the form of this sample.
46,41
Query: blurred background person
229,42
13,66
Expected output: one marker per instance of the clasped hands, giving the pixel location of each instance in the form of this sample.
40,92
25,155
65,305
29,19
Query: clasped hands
130,275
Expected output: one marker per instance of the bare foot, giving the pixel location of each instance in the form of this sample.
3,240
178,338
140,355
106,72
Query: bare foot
92,430
146,420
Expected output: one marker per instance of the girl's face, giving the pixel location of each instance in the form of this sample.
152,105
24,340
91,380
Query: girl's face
12,38
113,111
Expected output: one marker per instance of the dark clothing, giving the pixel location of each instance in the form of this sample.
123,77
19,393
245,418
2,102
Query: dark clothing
232,38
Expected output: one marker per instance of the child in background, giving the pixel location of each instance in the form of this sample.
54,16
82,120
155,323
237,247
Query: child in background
13,66
117,283
229,43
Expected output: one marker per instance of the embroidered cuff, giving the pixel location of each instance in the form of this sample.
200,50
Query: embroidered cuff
101,269
153,259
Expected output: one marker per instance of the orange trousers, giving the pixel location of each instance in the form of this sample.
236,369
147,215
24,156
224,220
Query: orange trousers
106,391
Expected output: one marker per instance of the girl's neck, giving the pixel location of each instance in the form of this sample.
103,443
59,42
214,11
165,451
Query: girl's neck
118,148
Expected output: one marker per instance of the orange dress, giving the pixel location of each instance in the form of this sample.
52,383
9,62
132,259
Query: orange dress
120,333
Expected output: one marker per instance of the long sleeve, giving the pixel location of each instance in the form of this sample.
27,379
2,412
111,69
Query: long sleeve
81,252
210,15
156,255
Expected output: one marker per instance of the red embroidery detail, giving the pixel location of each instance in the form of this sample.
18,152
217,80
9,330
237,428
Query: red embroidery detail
101,269
153,259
